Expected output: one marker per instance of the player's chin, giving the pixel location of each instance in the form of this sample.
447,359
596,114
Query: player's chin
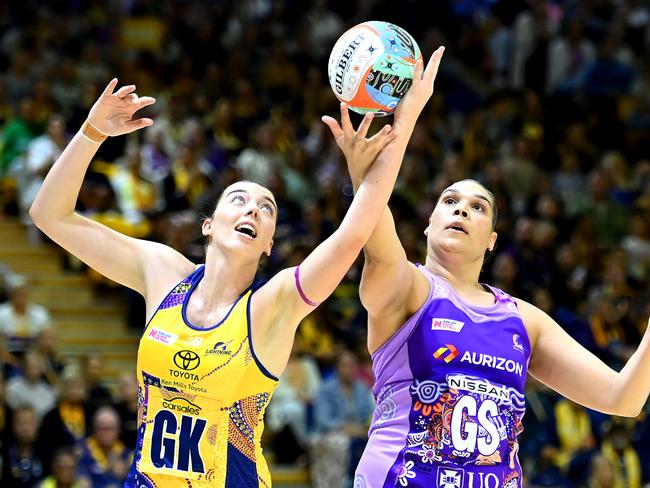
454,246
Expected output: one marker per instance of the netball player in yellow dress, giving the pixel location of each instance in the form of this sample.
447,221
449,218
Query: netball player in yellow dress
214,347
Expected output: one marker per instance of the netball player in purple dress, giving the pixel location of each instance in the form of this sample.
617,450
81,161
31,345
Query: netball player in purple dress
451,355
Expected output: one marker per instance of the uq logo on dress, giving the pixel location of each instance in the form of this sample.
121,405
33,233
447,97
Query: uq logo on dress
450,478
459,478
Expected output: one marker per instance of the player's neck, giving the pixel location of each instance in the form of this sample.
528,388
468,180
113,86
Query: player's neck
461,275
225,278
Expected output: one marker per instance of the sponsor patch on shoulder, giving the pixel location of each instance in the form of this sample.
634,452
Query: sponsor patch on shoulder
447,324
162,336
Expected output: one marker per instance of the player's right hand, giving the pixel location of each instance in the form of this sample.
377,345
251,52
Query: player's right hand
359,151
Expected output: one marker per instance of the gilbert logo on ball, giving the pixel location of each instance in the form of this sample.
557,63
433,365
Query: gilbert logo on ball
371,66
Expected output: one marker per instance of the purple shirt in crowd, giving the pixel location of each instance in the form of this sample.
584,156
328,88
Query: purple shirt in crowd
450,396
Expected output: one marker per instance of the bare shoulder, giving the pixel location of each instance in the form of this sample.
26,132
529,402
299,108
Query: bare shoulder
534,319
273,295
420,289
163,267
384,323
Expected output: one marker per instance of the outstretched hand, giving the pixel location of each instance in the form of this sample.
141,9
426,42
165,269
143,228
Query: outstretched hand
359,151
421,90
112,113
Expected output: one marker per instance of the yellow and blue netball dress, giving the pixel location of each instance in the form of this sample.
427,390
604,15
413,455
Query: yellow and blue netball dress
201,401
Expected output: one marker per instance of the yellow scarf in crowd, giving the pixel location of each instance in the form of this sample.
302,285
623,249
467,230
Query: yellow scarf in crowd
627,467
101,458
74,418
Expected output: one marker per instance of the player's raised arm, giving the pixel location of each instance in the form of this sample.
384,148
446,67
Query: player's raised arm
388,278
110,253
319,274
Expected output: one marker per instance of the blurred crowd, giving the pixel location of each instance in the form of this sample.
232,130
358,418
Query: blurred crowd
546,102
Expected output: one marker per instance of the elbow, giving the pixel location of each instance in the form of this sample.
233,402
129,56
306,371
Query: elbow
357,242
631,412
34,215
37,216
623,410
353,240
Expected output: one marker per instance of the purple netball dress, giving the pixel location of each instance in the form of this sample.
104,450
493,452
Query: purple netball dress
450,397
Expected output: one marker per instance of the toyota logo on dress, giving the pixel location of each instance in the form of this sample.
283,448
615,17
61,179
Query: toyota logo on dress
187,360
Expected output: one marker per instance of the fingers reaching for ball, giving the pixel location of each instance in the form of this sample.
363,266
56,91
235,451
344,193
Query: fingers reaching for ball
360,151
422,88
432,66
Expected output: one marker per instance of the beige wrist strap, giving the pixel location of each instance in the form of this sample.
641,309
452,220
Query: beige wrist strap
92,133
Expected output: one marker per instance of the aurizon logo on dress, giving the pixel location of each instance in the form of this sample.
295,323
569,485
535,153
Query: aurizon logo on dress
449,352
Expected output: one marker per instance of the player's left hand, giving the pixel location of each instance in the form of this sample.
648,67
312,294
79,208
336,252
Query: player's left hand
360,151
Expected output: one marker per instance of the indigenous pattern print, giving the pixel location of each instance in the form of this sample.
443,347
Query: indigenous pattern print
450,396
202,397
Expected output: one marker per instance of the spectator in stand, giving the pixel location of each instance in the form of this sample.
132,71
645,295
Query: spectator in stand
40,155
135,196
104,460
5,277
504,272
343,409
30,388
261,159
45,345
18,132
64,471
539,439
155,161
69,421
609,74
92,366
569,56
6,420
618,449
21,320
24,461
574,432
190,176
291,407
637,246
225,141
601,474
126,407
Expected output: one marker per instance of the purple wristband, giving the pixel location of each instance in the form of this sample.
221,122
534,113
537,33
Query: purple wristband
296,275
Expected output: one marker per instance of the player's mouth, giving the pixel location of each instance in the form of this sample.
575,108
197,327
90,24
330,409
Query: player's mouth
457,227
247,229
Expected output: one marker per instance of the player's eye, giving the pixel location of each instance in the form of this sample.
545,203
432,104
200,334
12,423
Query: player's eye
238,199
479,207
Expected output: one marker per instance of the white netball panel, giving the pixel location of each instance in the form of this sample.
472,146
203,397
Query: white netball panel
352,55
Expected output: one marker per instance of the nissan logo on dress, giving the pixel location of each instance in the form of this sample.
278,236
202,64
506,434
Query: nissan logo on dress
187,360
